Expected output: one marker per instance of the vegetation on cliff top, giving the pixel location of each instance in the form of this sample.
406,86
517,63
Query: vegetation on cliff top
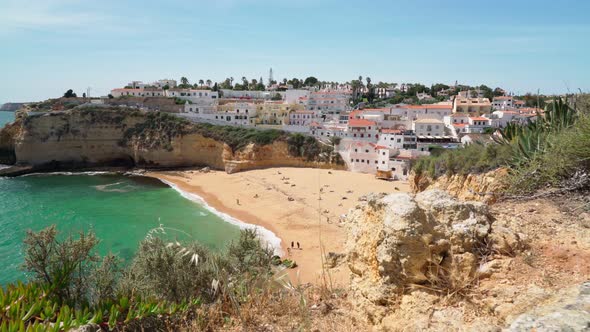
552,151
160,129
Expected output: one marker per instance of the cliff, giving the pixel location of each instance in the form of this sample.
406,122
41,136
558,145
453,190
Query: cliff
86,137
430,262
10,107
484,187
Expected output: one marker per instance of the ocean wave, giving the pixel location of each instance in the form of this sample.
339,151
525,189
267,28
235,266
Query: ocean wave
70,173
266,235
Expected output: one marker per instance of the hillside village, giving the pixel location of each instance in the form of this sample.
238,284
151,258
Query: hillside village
377,140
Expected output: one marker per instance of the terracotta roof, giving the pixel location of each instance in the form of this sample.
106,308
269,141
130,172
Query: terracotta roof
360,123
458,115
502,98
378,147
478,118
459,124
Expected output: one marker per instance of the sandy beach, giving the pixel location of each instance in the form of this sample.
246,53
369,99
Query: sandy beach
297,204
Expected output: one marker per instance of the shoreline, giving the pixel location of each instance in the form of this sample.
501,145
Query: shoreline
288,206
267,235
306,208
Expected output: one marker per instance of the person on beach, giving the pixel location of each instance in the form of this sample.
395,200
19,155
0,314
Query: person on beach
292,244
237,201
298,246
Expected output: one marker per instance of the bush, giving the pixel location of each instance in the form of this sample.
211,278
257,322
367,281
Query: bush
238,137
70,267
473,158
69,287
567,153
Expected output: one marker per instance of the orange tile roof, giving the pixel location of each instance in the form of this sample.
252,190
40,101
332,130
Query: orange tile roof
360,123
458,115
378,147
479,118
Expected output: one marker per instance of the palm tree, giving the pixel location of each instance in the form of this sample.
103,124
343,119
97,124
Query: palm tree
201,82
184,80
209,83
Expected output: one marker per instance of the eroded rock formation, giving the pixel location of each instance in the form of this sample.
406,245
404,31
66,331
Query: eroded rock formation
429,241
91,137
485,187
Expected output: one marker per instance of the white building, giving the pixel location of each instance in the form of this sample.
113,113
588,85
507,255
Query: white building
331,102
302,118
138,92
502,102
165,82
428,127
293,96
397,139
361,129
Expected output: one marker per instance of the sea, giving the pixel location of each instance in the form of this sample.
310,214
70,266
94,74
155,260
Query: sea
121,209
6,117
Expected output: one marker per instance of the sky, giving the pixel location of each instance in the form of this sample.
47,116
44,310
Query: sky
49,46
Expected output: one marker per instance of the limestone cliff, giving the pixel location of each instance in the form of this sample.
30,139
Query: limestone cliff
485,187
86,137
430,241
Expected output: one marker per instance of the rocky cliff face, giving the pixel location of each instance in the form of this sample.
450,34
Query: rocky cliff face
101,137
10,107
405,250
484,187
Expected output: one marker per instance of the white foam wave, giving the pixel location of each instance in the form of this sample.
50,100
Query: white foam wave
70,173
266,235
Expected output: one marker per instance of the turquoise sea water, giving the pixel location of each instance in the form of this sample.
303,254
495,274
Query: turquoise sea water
119,209
6,117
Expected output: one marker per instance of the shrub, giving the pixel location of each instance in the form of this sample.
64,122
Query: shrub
67,266
69,286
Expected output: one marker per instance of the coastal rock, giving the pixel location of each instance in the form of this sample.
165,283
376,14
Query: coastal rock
485,187
568,310
400,241
86,137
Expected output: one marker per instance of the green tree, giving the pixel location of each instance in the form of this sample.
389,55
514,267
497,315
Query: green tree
209,82
310,81
70,94
201,82
184,81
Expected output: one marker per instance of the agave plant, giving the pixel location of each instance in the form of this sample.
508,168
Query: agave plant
531,138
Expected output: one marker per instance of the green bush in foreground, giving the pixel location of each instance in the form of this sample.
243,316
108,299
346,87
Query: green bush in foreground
72,286
474,158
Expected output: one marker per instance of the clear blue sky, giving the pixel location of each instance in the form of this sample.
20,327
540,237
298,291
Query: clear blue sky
49,46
